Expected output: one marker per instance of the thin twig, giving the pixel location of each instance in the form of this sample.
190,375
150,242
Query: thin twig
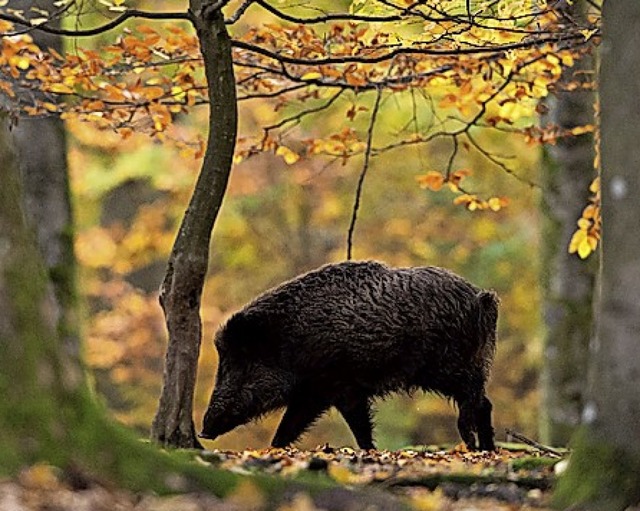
239,12
533,443
452,156
496,161
304,113
274,94
363,173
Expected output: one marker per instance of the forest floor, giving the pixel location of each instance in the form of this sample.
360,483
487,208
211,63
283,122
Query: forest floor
514,478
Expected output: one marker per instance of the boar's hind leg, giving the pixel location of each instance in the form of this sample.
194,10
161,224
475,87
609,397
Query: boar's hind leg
302,411
483,423
357,413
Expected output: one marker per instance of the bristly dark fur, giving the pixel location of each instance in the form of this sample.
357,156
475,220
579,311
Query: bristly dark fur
347,333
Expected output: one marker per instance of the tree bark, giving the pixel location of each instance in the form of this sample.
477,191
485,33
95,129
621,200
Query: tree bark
42,155
181,290
568,281
603,472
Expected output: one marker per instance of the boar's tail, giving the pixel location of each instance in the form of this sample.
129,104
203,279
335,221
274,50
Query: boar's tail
487,319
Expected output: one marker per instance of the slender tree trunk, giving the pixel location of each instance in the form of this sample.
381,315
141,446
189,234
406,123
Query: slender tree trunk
181,289
42,154
568,281
604,472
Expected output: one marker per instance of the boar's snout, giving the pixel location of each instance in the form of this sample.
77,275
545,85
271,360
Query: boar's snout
216,422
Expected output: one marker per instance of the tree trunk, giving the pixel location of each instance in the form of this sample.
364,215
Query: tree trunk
42,155
181,289
605,467
46,411
568,281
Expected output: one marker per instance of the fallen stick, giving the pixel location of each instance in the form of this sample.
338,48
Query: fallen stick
533,443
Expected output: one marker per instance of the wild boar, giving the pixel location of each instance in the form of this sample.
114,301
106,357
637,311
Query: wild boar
347,333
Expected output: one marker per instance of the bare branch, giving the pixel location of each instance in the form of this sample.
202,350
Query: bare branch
273,94
327,17
239,12
363,173
131,13
480,50
533,443
498,163
299,116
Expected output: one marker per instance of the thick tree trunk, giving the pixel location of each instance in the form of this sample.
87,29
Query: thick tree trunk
568,281
605,467
181,289
42,154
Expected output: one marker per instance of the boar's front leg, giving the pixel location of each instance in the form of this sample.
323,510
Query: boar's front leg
303,409
475,417
357,413
483,423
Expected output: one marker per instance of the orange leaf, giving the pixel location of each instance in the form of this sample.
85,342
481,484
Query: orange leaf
432,180
152,92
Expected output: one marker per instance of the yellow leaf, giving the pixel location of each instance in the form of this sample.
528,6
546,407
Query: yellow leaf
584,224
464,199
567,60
340,474
289,156
60,88
595,186
312,75
588,34
578,237
178,93
589,212
580,130
494,204
38,21
23,63
584,249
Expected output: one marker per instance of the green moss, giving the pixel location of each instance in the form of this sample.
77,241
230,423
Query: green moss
600,477
533,462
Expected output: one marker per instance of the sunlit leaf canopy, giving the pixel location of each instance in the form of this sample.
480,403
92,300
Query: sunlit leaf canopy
465,66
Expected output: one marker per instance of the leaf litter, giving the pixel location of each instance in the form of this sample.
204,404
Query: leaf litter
426,479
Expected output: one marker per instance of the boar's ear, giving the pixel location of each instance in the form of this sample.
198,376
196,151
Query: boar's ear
245,334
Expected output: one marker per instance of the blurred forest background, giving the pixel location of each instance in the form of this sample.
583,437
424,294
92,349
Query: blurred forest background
283,216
